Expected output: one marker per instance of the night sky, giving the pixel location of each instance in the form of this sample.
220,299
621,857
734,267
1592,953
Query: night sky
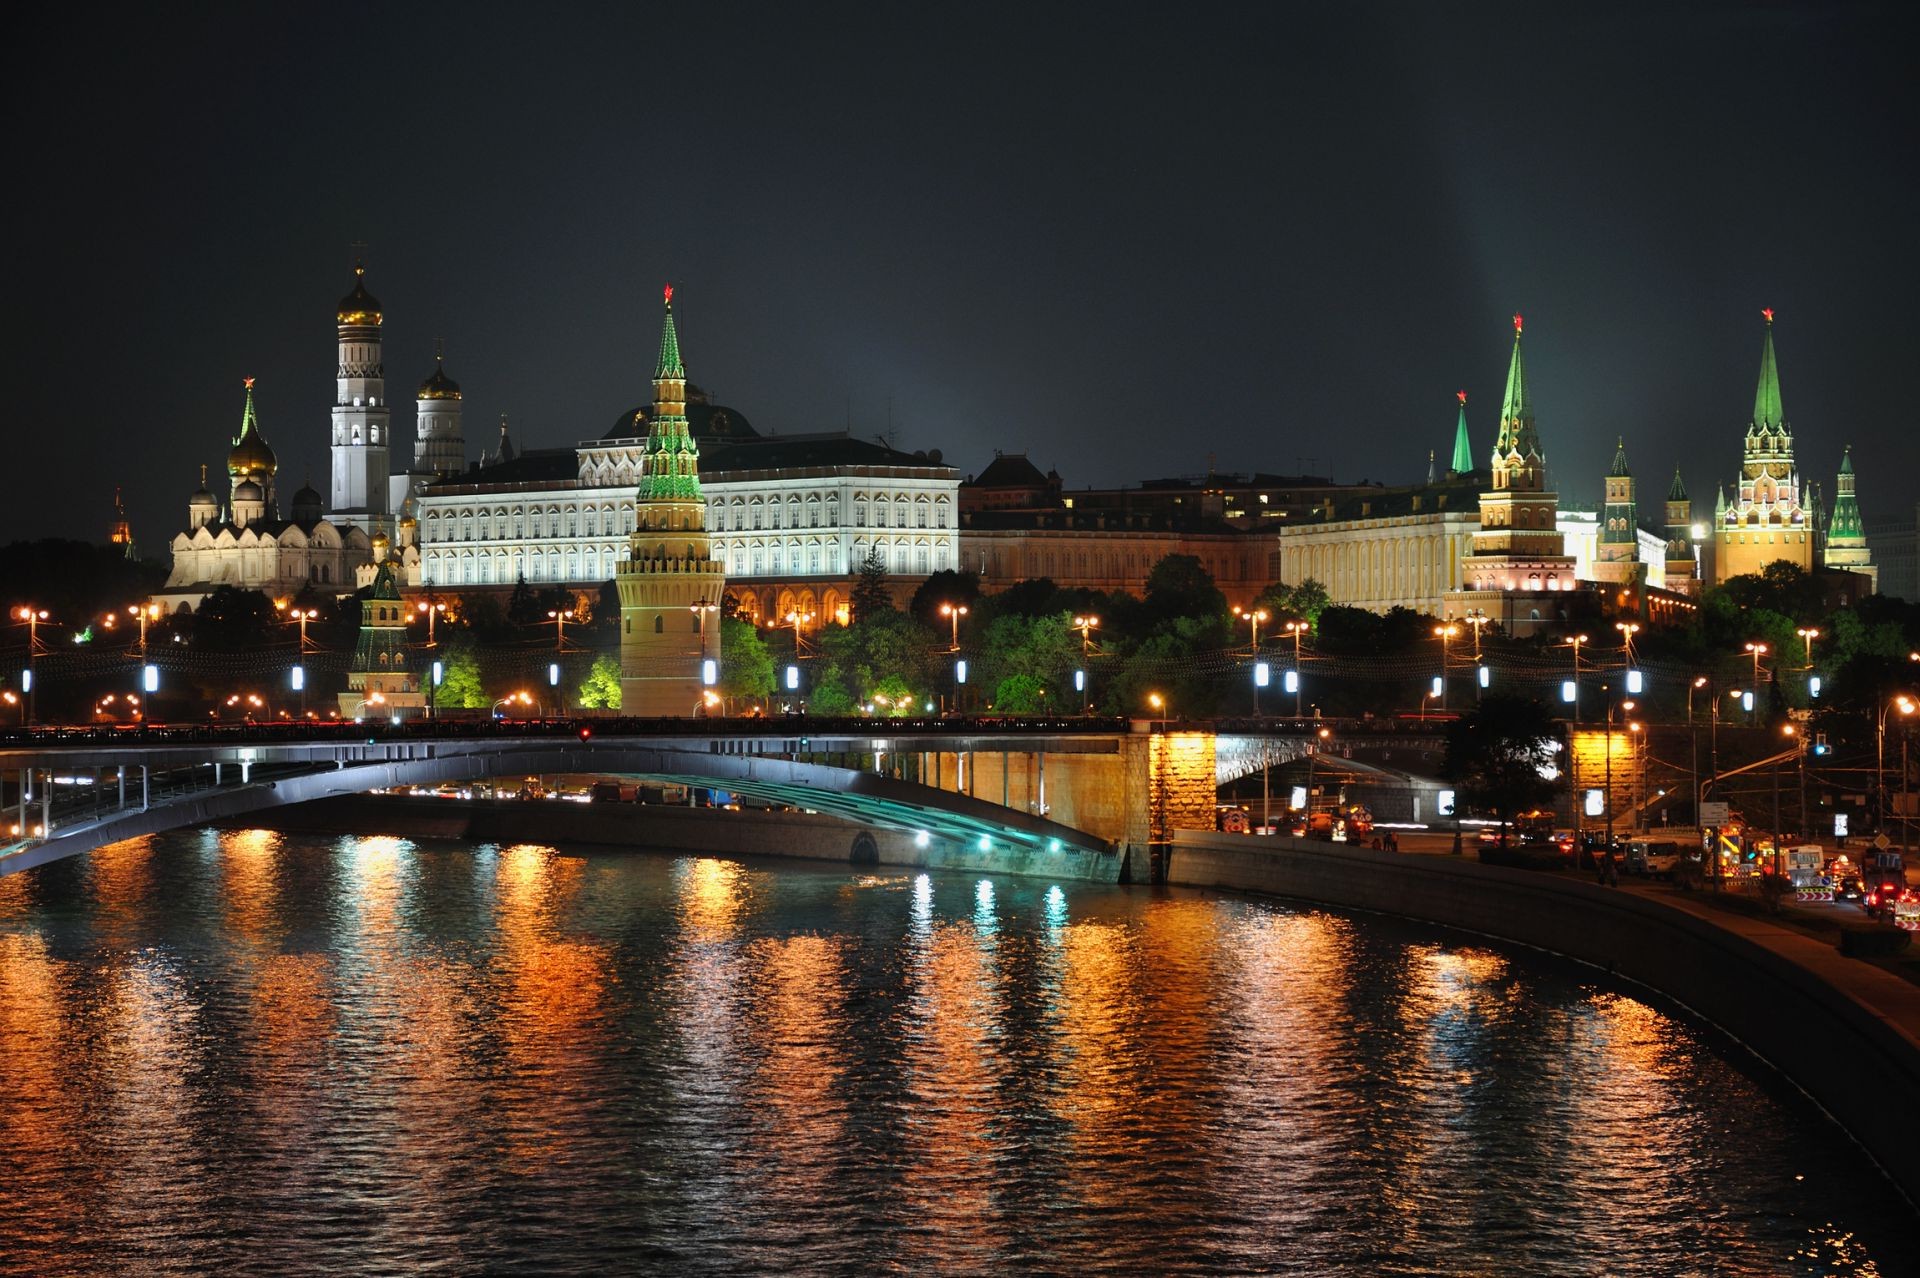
1120,244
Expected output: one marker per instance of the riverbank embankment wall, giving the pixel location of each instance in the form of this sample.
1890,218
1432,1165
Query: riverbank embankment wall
1855,1063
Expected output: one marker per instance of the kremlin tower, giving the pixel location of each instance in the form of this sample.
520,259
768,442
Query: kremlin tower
360,457
670,585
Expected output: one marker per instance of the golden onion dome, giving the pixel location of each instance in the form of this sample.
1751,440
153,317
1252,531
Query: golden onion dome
359,307
439,386
251,455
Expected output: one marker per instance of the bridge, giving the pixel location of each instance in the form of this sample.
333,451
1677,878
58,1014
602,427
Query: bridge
1047,786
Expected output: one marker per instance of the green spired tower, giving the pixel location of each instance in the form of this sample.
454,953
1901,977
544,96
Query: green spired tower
1462,443
670,585
1683,570
1617,559
1846,535
1517,567
379,685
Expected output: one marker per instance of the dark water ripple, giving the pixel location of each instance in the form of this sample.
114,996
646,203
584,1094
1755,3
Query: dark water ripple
249,1053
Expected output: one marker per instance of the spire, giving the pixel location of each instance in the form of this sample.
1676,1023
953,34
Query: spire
1846,466
249,423
1462,445
1517,434
670,365
1767,412
1619,469
1676,491
1846,504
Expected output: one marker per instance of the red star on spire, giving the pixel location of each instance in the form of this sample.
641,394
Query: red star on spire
669,295
1516,323
248,381
1462,397
1768,312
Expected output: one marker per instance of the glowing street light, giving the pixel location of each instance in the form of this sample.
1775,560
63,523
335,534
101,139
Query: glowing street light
430,610
300,615
1907,707
1572,692
32,616
1255,616
1297,629
1756,651
560,617
1445,634
1086,625
953,612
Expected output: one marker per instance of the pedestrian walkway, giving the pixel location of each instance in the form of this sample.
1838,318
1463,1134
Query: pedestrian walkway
1893,999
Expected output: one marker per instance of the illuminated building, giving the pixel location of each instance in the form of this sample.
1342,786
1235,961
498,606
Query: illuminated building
361,460
1765,522
249,546
670,585
379,684
1846,538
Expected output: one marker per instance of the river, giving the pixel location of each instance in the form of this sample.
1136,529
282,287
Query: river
246,1052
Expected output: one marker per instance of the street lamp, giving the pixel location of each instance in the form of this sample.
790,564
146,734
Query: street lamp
524,698
1575,642
1907,706
300,615
1086,625
1476,619
1445,634
1807,635
1297,629
798,621
430,611
1254,615
1756,651
560,617
953,612
33,617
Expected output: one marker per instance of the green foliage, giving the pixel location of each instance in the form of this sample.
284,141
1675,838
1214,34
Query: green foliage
1179,586
746,667
1495,753
600,690
461,686
894,696
830,696
234,620
1304,602
1170,663
870,596
1020,694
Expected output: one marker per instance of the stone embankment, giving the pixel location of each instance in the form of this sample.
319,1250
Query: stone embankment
1845,1032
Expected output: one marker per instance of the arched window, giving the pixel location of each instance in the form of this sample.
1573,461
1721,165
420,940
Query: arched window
659,624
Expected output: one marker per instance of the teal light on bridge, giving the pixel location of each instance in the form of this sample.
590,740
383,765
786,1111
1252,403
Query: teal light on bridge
921,838
986,844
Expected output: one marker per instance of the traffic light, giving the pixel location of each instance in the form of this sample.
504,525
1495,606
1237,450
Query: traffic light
1820,745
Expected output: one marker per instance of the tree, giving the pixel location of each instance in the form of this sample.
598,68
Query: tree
1020,694
460,684
746,667
870,595
830,696
944,587
523,606
233,620
601,688
1180,586
1304,602
1496,756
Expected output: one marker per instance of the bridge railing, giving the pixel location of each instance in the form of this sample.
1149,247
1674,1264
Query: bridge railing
347,732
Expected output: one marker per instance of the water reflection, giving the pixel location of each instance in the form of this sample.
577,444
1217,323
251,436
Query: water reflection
513,1058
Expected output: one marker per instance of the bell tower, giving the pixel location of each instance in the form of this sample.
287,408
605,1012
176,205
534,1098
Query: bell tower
361,459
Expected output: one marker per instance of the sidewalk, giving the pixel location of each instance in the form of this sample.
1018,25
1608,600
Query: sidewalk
1894,999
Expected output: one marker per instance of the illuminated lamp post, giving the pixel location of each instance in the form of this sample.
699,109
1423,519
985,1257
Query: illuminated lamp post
953,612
1086,625
33,617
430,611
1574,642
1255,616
1907,706
1297,629
560,617
1756,651
1444,634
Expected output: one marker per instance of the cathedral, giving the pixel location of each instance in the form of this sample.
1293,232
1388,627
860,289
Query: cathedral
240,538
